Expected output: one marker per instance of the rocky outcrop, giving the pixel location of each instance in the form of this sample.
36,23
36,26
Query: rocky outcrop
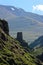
4,26
5,29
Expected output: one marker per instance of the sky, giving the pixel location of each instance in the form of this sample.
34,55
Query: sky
35,6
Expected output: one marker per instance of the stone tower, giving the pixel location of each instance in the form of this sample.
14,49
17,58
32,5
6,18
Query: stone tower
19,36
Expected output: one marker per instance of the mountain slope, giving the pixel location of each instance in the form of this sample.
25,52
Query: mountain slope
37,47
19,12
37,43
11,53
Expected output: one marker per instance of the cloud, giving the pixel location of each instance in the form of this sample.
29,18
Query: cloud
38,7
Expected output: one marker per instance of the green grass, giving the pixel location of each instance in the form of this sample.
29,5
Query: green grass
12,53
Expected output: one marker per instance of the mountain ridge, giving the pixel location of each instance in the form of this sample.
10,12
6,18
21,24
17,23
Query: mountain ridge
28,20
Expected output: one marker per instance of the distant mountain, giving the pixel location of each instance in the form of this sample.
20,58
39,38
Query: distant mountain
18,12
19,20
37,43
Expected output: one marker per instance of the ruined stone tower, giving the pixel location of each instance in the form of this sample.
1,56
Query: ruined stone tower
19,36
22,42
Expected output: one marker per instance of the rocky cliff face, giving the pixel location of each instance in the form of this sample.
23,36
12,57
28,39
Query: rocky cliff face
4,26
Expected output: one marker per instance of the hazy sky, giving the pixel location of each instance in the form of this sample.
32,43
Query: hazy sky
35,6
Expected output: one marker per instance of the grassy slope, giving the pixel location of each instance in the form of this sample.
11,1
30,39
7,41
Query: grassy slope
11,53
38,51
